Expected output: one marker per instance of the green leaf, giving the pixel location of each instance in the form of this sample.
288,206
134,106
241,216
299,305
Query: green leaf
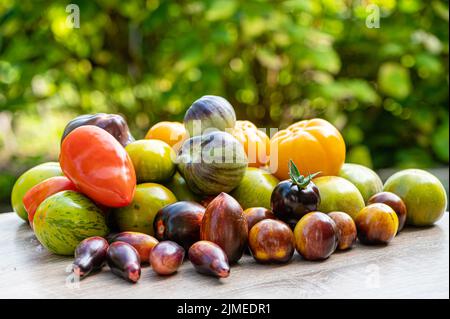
440,142
221,10
394,80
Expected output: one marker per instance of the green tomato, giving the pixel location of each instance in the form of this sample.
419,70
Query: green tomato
153,160
139,215
255,189
29,179
338,195
365,179
66,218
423,194
180,189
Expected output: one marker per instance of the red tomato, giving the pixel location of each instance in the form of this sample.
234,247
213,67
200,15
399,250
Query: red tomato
36,195
99,166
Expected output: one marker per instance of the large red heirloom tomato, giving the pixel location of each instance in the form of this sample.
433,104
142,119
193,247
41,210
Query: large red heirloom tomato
314,146
99,166
38,193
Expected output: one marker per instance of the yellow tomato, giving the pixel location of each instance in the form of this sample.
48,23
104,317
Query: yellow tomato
173,133
314,146
256,143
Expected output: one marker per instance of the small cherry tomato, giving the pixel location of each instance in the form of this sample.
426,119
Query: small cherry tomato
254,215
173,133
314,145
295,197
99,166
316,236
395,202
346,227
38,193
271,241
377,224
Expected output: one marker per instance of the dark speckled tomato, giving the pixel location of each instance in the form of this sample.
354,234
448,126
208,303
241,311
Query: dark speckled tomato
316,236
143,243
377,224
395,202
166,257
271,241
179,222
254,215
209,259
347,229
224,224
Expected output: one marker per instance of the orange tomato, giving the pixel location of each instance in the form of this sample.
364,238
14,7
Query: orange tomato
314,146
38,193
173,133
99,166
256,143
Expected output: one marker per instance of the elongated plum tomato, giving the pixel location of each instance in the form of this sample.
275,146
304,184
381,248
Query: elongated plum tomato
36,195
314,145
99,166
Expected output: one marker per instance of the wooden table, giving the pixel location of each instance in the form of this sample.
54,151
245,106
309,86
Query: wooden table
413,265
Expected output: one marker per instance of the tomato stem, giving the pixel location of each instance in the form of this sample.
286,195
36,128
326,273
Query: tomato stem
297,178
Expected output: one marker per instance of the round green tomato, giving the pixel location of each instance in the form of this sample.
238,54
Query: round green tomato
338,195
66,218
255,188
153,160
423,194
139,215
29,179
365,179
180,189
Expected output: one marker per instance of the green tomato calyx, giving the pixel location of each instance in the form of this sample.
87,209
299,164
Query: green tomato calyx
297,178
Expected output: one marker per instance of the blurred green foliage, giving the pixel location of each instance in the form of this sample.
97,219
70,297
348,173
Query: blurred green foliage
277,62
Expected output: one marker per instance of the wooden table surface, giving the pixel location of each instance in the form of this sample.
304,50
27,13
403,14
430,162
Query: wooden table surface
414,265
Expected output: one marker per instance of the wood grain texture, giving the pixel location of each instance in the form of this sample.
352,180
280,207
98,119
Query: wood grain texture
414,265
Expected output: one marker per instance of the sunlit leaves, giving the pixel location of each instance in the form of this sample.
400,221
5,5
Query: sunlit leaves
394,80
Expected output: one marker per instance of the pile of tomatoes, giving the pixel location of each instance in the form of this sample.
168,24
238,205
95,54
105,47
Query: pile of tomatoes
125,202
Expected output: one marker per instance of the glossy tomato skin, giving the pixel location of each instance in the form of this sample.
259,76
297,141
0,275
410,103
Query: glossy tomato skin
114,124
314,145
290,203
256,143
173,133
38,193
27,180
99,166
179,222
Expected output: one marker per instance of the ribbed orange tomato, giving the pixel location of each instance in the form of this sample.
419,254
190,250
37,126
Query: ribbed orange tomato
173,133
314,146
256,143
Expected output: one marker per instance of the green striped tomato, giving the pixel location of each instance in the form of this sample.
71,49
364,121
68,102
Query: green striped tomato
64,219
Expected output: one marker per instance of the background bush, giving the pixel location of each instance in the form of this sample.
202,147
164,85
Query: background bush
277,62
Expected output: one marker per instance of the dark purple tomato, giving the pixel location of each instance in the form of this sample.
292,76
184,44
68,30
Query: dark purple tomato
123,260
90,256
293,198
179,222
